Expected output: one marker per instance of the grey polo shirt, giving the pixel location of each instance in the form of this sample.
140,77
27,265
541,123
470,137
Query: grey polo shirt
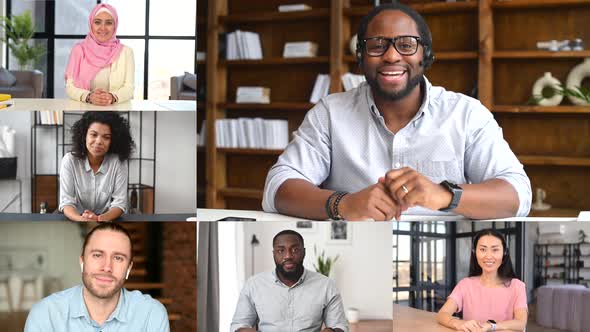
84,190
275,307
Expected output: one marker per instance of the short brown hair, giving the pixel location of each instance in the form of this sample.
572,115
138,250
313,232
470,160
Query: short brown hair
108,226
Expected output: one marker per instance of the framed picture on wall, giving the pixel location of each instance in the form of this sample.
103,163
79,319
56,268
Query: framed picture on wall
305,226
340,232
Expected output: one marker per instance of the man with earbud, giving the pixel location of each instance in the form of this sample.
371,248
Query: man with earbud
101,303
397,143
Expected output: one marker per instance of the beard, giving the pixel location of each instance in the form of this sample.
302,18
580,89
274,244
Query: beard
412,82
101,292
290,275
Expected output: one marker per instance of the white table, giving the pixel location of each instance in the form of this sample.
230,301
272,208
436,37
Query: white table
50,104
217,214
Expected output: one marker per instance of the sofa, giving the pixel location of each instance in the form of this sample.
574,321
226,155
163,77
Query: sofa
183,87
26,84
564,307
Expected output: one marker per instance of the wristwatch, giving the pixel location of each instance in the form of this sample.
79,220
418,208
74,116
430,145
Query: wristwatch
493,323
456,191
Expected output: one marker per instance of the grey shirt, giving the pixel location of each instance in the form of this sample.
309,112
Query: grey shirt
343,144
84,190
275,307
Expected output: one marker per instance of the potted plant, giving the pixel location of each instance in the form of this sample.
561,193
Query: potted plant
19,30
324,264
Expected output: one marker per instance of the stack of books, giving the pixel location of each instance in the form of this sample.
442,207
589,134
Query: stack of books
253,94
351,81
243,45
250,133
320,88
305,49
294,7
51,117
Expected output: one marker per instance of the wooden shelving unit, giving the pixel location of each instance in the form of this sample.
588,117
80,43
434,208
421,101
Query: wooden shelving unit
551,141
483,48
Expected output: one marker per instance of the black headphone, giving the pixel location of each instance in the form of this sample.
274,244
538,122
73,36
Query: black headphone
427,60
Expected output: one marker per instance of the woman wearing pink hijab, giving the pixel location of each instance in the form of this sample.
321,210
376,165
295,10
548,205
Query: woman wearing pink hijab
101,70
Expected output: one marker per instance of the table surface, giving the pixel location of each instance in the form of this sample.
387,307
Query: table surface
371,326
11,217
57,104
217,214
410,319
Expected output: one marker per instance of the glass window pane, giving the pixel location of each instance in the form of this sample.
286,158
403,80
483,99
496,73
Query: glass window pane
168,58
177,20
131,17
37,9
463,257
63,47
138,46
71,16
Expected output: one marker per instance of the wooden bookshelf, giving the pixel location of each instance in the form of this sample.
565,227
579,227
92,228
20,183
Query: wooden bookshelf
528,4
528,54
492,56
276,61
541,109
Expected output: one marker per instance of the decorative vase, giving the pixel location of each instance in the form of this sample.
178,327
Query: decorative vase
575,78
547,81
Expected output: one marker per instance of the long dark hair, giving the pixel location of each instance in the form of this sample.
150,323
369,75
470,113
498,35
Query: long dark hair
121,142
505,271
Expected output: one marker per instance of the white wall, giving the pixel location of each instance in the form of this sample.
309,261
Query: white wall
363,273
176,174
60,244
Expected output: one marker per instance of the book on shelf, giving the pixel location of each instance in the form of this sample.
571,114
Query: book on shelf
253,94
294,7
304,49
51,117
243,45
321,88
351,81
252,133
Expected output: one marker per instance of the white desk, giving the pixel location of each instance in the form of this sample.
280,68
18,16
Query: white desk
216,214
50,104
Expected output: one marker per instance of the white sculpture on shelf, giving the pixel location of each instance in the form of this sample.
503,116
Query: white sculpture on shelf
539,205
547,81
575,78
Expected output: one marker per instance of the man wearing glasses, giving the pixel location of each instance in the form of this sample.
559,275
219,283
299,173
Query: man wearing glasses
290,298
396,142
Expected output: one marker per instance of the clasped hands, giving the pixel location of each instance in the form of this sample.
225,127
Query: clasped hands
394,193
88,215
101,97
474,326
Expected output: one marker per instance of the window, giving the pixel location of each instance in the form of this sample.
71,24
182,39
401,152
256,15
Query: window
163,48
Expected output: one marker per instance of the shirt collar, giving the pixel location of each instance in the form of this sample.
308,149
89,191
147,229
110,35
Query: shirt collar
421,111
278,281
78,307
104,167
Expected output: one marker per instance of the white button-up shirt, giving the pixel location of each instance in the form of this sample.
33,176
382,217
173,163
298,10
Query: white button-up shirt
84,190
343,144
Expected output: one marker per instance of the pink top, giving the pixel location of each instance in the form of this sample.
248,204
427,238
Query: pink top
481,303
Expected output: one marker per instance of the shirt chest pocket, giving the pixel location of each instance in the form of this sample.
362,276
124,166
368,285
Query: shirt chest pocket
439,170
310,315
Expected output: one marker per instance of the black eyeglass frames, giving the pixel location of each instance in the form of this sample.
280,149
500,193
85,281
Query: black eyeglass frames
404,45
